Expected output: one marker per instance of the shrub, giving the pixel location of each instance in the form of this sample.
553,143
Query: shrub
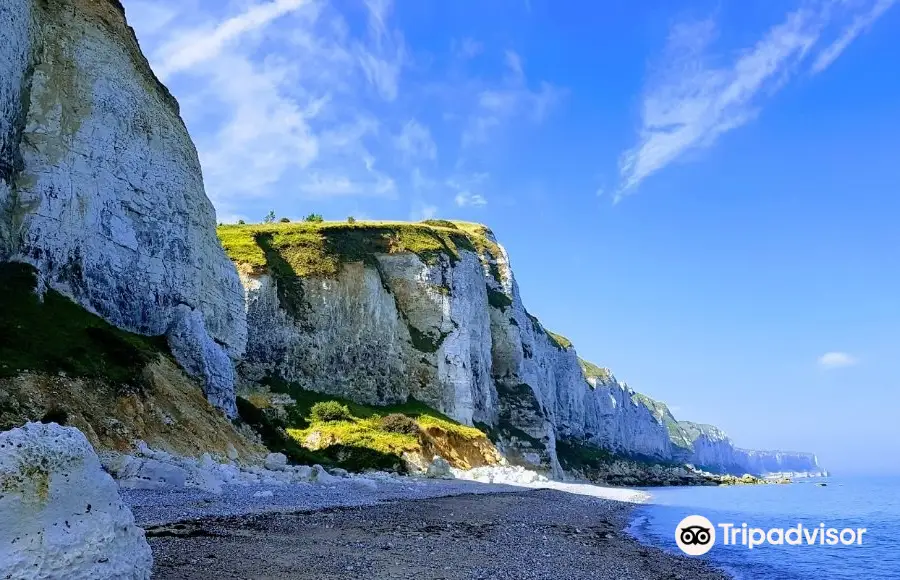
241,222
315,218
285,220
326,411
400,423
351,220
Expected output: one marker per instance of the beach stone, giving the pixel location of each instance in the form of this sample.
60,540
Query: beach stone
138,473
439,469
60,513
320,475
303,473
276,462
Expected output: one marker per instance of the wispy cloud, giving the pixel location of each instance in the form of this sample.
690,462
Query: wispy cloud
690,100
382,59
861,23
415,142
203,43
833,360
466,48
496,106
293,100
467,198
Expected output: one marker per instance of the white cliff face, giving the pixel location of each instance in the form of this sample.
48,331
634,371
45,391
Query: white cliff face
379,333
779,461
454,334
60,513
101,188
616,422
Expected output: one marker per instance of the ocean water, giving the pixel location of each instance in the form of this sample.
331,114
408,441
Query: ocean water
871,503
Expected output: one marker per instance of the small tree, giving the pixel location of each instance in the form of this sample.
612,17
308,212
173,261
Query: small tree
351,220
284,220
270,218
315,218
241,222
325,411
400,423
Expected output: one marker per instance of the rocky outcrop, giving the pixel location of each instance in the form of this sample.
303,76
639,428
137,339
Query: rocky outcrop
379,332
101,188
379,313
60,513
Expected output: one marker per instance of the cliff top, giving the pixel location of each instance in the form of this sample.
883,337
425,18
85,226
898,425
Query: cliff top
593,371
318,249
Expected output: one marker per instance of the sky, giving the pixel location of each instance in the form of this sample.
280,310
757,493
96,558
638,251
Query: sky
703,195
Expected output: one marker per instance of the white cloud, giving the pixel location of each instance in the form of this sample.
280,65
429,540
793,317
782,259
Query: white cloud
272,95
467,48
833,360
415,142
514,62
204,43
860,24
513,99
691,101
383,59
286,101
467,198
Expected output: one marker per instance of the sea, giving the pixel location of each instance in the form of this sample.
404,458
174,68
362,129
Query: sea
870,503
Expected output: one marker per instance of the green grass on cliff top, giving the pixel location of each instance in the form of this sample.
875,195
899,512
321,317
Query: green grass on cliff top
592,370
560,341
307,249
54,334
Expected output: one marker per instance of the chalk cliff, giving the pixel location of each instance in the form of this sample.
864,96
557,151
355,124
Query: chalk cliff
381,312
101,188
101,194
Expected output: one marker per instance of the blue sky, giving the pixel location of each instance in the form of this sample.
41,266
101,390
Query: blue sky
703,196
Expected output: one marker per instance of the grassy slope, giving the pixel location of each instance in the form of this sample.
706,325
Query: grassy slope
57,335
358,443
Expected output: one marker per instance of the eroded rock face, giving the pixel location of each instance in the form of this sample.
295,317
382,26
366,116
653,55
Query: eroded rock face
380,334
453,333
101,188
60,513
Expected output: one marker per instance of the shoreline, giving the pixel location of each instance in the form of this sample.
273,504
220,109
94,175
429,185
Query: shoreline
448,529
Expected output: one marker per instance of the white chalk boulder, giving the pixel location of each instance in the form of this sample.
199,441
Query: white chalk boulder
439,469
276,462
60,513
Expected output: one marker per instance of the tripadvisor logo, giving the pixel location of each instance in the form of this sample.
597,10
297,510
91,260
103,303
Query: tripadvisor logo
696,535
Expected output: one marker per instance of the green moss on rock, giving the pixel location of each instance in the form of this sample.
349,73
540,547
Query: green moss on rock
498,299
559,341
359,437
54,334
591,370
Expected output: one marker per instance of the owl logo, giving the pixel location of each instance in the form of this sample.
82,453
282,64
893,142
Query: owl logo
695,535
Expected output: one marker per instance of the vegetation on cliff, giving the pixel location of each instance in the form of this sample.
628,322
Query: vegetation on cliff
314,427
560,341
318,249
593,371
61,363
53,334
